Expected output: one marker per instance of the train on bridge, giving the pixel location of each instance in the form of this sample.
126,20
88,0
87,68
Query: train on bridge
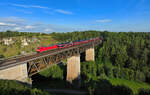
65,45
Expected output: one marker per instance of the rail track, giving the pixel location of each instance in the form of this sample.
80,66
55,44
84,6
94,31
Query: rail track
26,58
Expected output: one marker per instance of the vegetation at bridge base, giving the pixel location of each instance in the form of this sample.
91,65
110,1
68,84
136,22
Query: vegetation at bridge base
54,71
101,78
52,77
144,92
8,87
104,87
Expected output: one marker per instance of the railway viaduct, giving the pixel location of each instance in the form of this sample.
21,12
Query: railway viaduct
23,67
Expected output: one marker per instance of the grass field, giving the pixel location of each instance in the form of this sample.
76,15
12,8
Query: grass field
134,85
16,48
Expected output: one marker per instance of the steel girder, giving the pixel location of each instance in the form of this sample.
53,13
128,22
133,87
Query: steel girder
37,65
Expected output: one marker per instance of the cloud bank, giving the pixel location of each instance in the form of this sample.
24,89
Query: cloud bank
43,7
22,25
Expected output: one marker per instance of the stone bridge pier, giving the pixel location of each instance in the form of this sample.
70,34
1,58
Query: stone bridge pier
90,54
18,72
73,64
73,68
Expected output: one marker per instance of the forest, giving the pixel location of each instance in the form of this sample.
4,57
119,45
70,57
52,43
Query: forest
123,55
122,65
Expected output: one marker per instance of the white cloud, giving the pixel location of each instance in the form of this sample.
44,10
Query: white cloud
20,5
30,6
104,20
63,11
12,20
29,27
42,7
6,24
17,28
22,25
23,11
48,30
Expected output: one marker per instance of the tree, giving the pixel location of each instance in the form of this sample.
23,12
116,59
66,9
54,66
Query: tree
2,56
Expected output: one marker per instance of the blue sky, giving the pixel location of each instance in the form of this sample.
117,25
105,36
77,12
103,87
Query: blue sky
71,15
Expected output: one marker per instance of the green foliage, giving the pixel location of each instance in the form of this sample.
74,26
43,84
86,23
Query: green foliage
77,35
2,56
144,92
10,33
118,78
16,88
89,70
54,71
133,85
108,68
104,87
140,76
148,77
100,71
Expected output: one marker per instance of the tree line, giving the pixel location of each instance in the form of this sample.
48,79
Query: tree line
10,33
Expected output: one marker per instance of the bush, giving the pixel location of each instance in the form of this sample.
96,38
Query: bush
121,90
131,74
2,56
108,69
144,92
89,70
104,87
140,76
54,71
127,74
148,77
15,88
124,73
116,72
100,70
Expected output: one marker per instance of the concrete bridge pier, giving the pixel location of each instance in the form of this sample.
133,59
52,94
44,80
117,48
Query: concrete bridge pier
73,68
90,54
18,73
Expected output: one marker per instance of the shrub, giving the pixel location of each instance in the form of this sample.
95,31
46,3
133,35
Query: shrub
124,73
54,71
15,88
100,70
144,92
108,69
140,76
148,77
127,73
121,90
104,87
2,56
116,72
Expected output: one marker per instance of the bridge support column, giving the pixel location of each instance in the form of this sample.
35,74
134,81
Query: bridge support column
73,68
18,72
90,54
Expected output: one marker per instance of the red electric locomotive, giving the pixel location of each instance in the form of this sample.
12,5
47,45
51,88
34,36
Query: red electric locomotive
65,45
51,47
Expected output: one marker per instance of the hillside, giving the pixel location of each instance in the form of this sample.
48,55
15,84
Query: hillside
12,46
16,88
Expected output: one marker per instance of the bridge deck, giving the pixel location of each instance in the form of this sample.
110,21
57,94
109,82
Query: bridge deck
23,59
